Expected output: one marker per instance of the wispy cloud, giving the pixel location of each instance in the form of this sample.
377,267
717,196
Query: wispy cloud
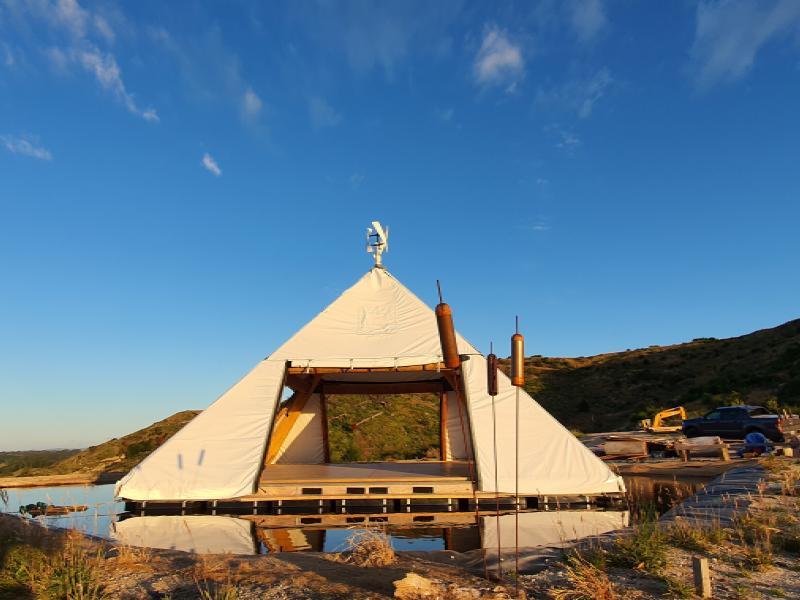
587,18
539,225
8,56
211,72
322,114
379,35
578,95
83,32
499,61
107,73
251,104
25,145
565,140
211,165
356,180
729,35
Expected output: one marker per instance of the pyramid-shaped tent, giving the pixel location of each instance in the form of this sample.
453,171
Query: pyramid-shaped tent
376,333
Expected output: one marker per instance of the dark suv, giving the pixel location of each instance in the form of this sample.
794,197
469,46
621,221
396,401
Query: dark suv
735,422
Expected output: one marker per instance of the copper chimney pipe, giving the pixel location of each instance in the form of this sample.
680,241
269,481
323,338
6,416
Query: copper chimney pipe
447,333
518,358
491,372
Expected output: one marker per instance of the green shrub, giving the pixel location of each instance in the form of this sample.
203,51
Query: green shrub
644,549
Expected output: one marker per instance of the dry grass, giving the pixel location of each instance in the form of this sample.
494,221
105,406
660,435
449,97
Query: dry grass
212,589
370,548
586,582
130,556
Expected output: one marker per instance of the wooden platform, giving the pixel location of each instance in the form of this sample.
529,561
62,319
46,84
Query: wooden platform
364,480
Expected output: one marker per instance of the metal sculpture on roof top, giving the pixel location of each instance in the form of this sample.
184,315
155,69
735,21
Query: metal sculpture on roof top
377,242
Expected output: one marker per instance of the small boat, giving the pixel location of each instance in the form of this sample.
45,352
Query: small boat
48,510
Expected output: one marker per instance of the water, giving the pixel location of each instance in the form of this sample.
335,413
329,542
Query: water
97,520
263,534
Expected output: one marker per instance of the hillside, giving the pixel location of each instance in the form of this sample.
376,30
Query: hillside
118,454
613,391
18,460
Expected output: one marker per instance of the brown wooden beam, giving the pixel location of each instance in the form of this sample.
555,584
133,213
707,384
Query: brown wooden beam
323,409
408,387
329,370
443,425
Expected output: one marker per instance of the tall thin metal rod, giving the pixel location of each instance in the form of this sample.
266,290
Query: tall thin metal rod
439,289
516,485
516,498
496,494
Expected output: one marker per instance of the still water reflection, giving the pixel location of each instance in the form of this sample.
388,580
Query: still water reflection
262,534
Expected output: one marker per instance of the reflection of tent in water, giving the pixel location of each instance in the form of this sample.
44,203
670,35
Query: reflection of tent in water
550,528
292,540
204,534
191,533
376,338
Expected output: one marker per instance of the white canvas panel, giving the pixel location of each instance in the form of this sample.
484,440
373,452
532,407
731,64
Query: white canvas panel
201,534
550,528
218,454
304,442
552,461
376,323
458,432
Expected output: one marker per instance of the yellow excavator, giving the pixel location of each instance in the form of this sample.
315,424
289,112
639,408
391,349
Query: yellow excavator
657,425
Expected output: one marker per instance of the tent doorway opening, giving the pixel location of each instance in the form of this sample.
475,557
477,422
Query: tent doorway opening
370,416
384,427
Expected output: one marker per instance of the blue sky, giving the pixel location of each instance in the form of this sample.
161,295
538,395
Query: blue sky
183,185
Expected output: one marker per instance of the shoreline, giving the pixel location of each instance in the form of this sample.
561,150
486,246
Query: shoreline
34,481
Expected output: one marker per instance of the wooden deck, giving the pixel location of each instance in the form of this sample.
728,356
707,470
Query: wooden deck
364,480
367,473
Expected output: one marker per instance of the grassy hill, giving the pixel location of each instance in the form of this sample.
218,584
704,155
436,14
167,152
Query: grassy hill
118,454
19,460
612,391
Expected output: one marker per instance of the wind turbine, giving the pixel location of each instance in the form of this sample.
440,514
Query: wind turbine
377,241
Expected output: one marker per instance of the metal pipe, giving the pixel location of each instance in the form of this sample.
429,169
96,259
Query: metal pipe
447,333
518,358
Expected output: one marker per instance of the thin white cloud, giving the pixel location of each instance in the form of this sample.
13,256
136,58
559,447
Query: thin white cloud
499,61
322,114
565,140
211,165
104,28
211,73
729,35
577,95
8,56
356,180
539,225
107,73
379,35
67,14
85,33
587,18
26,146
251,104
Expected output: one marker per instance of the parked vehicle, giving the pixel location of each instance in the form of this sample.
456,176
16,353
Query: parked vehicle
735,422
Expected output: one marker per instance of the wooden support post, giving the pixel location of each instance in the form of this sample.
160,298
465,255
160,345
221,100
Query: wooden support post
323,413
443,425
702,577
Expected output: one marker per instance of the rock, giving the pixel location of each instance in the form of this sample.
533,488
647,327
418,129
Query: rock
416,587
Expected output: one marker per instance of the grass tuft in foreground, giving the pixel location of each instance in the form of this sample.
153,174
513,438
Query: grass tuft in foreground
587,581
370,548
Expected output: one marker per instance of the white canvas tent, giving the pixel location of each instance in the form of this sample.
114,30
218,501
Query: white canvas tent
376,331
